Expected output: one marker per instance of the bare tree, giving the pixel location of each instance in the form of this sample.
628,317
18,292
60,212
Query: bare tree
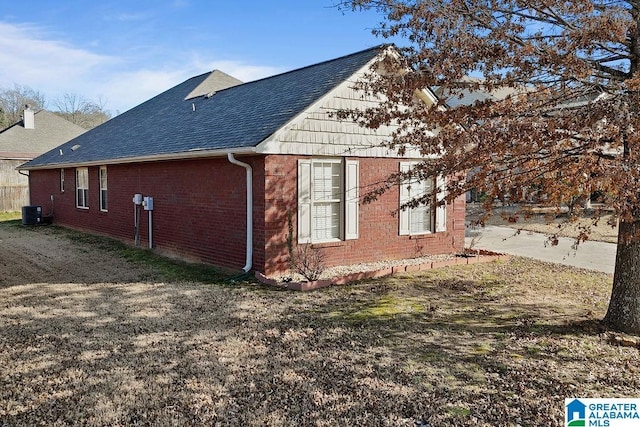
13,101
554,105
79,110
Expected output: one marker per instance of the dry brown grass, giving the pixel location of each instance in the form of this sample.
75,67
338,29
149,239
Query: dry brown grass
485,345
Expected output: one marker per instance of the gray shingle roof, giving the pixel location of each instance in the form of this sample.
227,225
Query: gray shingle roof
50,130
238,117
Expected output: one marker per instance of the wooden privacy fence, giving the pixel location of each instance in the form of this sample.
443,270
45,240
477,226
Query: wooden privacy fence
14,187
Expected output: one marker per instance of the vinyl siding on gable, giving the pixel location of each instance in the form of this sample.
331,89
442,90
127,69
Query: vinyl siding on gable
317,131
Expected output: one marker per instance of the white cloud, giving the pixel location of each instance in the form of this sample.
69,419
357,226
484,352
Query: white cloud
127,17
178,4
126,89
31,57
49,66
131,88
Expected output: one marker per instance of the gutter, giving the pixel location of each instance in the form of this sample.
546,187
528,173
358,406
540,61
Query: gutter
185,155
249,250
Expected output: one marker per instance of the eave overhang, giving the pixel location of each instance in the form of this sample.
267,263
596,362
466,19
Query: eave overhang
188,155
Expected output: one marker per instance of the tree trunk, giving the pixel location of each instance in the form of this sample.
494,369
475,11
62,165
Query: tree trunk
624,307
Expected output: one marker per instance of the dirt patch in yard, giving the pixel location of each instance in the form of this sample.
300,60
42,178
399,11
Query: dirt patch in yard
88,337
48,255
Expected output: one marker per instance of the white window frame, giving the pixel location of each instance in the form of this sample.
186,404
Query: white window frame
62,180
103,177
308,200
413,189
333,204
82,188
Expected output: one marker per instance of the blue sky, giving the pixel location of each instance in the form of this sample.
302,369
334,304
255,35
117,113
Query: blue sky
125,52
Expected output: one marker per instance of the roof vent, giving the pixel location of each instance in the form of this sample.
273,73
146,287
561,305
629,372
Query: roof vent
75,147
210,94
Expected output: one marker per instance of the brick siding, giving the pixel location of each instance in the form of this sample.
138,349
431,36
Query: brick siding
378,227
199,211
199,206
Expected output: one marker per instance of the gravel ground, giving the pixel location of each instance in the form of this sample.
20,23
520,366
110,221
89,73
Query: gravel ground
344,270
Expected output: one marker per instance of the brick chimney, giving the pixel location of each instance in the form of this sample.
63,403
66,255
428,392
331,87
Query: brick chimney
28,117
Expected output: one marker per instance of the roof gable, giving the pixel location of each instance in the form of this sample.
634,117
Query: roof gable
238,117
215,81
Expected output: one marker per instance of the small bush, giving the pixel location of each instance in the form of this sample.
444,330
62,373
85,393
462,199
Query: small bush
308,261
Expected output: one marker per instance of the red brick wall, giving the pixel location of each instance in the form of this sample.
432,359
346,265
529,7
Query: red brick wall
199,206
199,211
378,228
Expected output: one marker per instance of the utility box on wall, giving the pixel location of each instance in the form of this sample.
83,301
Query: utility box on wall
31,215
148,203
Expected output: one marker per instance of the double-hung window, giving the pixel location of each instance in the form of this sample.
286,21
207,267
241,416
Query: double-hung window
424,218
103,188
82,188
327,200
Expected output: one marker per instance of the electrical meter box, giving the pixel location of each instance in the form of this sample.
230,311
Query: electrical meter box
137,199
148,203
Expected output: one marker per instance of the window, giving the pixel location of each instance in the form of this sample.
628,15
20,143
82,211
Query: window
62,180
327,200
103,188
82,188
422,219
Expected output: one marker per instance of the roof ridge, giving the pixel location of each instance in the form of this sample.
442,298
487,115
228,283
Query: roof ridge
379,47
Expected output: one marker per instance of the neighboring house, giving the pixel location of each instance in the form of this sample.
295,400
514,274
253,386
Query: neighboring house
467,97
197,150
35,134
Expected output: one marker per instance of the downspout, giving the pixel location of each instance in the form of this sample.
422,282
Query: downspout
247,167
29,182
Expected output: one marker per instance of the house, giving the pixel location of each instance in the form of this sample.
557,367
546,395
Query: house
576,410
35,134
239,176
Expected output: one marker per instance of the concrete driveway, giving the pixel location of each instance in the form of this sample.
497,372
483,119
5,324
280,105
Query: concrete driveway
597,256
